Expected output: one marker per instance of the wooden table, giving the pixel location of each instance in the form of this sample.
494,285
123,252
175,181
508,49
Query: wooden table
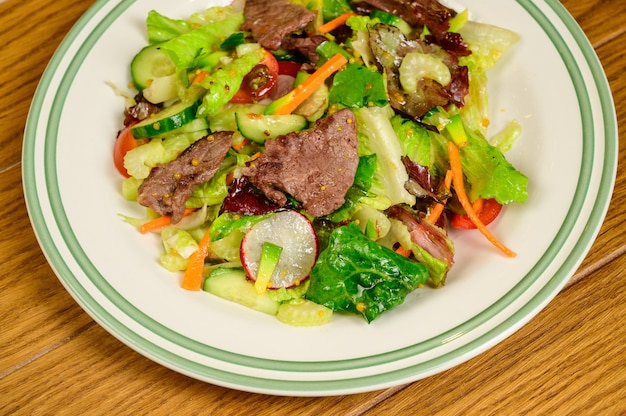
570,359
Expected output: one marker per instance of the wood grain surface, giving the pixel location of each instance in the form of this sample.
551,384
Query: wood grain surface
55,360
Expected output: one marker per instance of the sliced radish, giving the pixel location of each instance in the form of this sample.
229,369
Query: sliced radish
292,232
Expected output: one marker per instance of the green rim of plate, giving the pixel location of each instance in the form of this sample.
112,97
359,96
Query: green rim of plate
340,385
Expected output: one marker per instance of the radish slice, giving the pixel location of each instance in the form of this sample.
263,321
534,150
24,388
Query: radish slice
291,231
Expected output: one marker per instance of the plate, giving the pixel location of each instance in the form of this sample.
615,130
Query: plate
551,82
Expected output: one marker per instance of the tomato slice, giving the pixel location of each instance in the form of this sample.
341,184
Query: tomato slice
489,212
259,81
125,141
289,68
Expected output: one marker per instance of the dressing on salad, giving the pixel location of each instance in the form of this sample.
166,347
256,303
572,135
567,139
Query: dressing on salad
304,158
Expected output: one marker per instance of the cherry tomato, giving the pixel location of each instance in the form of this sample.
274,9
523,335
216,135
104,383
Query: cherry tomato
489,212
125,141
288,68
259,81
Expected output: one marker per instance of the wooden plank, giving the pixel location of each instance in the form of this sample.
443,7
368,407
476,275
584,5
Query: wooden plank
25,30
548,367
601,20
37,312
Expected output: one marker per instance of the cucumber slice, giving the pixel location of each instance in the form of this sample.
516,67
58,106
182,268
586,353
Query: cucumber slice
231,284
303,312
166,120
150,63
161,89
259,128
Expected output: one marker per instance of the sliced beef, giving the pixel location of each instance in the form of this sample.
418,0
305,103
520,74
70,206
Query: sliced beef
305,46
169,186
271,20
316,166
430,238
140,111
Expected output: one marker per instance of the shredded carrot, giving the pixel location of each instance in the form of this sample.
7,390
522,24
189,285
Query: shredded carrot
241,144
200,76
403,251
255,156
477,206
459,187
160,222
192,280
437,210
335,23
312,83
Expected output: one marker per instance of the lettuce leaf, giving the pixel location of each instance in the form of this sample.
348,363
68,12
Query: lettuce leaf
358,275
224,83
376,135
187,47
162,28
357,86
489,174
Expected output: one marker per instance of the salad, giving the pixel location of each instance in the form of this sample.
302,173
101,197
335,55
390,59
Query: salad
305,158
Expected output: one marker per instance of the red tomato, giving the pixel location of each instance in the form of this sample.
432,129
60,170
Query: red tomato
489,212
288,68
125,141
259,81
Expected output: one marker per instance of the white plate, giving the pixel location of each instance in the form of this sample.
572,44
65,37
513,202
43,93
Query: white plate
552,82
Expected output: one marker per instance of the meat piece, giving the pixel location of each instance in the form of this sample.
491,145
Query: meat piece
425,235
169,186
316,166
140,111
304,46
271,20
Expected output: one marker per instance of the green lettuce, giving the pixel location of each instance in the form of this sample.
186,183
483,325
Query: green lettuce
489,174
178,246
358,275
376,135
186,48
223,84
140,160
357,86
162,28
228,222
399,233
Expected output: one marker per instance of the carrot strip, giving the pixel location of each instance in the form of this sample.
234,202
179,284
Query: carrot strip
192,280
335,23
200,76
478,205
459,187
403,251
437,210
312,83
241,144
160,222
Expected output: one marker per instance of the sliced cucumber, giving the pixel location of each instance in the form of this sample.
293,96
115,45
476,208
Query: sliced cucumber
303,312
166,120
150,63
161,89
259,128
231,284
